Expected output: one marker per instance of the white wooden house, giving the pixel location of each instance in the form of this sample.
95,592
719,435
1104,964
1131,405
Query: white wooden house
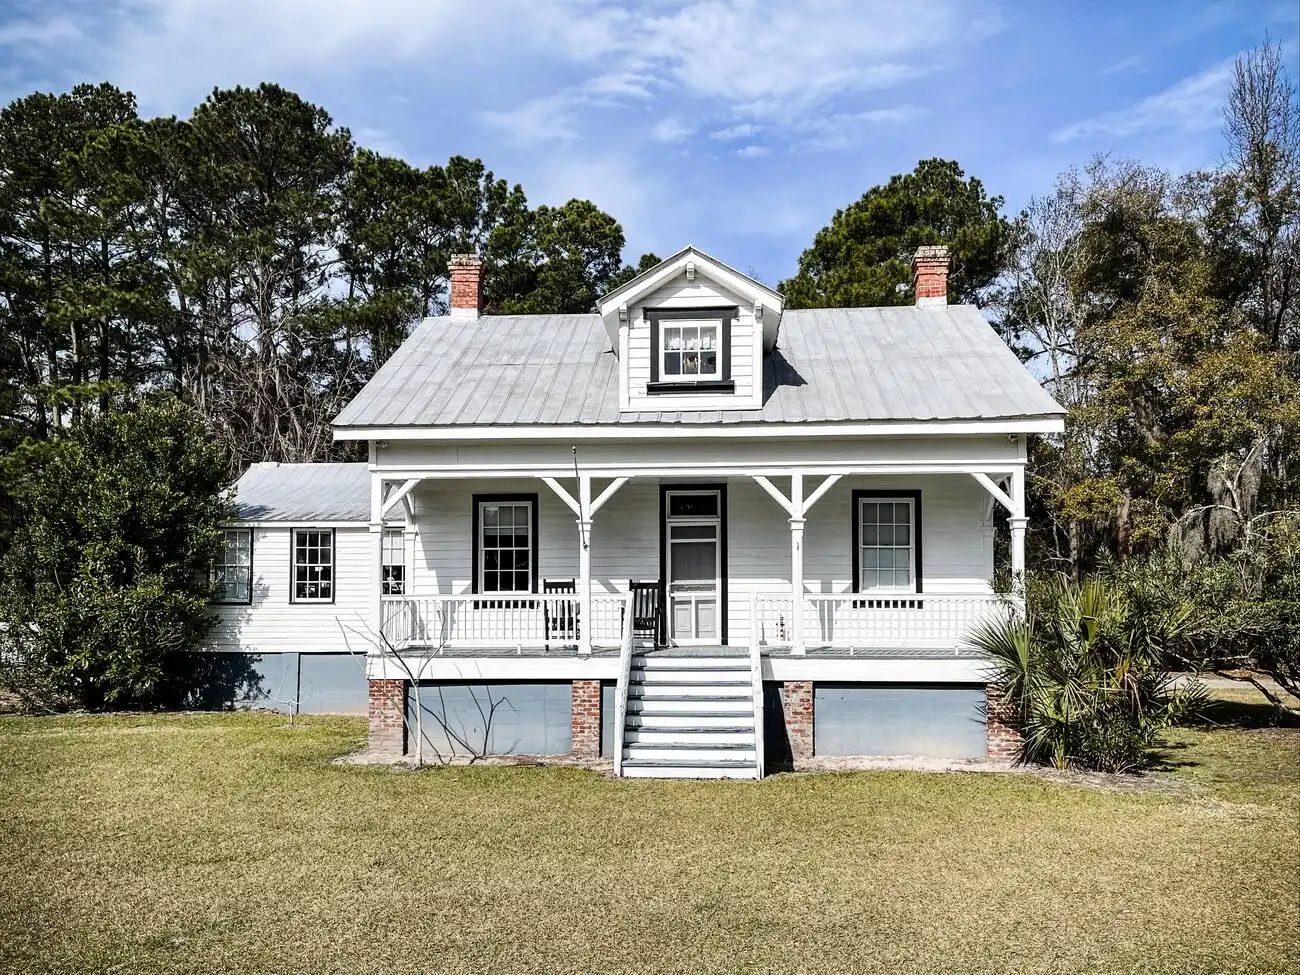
693,531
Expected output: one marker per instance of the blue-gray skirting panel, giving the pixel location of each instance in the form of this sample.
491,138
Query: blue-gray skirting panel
608,705
878,719
310,683
498,718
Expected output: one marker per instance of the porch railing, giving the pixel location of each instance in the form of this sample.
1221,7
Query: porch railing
485,620
621,688
898,620
773,618
756,686
856,620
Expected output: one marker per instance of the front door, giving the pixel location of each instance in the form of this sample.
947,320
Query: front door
693,550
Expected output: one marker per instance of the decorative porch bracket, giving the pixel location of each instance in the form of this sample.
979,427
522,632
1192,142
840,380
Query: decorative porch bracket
797,507
1015,505
585,508
401,494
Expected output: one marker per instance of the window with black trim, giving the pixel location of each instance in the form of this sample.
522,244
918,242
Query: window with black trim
887,542
232,573
313,565
394,563
505,545
690,350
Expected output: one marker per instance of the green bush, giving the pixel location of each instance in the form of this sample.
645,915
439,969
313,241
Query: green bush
1247,606
1086,672
105,589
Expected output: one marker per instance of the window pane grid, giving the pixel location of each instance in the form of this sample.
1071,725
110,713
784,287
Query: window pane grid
689,351
233,574
505,547
313,565
393,564
885,556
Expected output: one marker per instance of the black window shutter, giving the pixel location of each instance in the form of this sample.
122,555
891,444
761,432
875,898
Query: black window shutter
654,349
724,348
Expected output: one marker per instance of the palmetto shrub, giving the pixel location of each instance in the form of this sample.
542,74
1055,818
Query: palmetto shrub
1086,672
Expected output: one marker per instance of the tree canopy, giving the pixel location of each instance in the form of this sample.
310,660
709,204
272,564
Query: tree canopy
105,587
864,257
250,258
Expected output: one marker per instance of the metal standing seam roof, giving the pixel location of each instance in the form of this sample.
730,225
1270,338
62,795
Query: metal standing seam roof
830,364
304,492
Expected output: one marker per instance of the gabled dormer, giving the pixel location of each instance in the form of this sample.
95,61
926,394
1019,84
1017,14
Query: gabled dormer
691,333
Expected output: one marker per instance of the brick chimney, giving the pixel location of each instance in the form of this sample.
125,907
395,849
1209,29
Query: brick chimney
466,285
930,275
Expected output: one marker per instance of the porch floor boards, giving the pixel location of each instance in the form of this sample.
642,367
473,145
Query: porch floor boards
857,653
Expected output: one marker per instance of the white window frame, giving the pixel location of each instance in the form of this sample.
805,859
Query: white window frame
224,565
913,568
665,325
531,548
294,566
393,556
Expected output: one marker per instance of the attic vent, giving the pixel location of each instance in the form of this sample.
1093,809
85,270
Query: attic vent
690,270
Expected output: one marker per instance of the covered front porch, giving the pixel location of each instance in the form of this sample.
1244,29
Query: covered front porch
850,558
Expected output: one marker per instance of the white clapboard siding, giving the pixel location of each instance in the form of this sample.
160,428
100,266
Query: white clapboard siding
745,349
273,624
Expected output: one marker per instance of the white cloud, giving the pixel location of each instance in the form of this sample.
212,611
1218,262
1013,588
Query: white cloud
742,131
844,129
172,52
759,62
1193,104
629,84
751,152
380,141
654,215
671,129
548,119
39,33
1131,63
772,61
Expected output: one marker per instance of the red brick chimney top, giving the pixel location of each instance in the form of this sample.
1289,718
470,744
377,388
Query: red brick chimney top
466,284
930,275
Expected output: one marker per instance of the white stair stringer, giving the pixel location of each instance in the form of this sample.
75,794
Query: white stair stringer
689,717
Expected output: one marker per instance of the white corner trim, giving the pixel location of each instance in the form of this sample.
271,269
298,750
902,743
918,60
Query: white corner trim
300,523
900,670
713,431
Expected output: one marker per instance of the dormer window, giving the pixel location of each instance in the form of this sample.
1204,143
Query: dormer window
690,350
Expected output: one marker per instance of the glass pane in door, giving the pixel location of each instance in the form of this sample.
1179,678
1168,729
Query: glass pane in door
694,562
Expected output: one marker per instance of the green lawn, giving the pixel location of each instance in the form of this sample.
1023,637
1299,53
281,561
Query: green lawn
230,843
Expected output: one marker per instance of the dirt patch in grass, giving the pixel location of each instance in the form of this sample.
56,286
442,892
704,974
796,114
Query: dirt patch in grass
233,844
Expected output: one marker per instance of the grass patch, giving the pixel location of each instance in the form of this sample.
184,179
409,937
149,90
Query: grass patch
194,843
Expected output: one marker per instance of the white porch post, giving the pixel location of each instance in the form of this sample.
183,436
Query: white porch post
410,531
584,565
796,562
1018,521
585,508
377,556
797,507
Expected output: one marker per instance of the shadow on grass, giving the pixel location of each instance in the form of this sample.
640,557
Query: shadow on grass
1220,713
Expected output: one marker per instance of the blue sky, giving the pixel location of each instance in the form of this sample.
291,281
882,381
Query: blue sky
735,125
